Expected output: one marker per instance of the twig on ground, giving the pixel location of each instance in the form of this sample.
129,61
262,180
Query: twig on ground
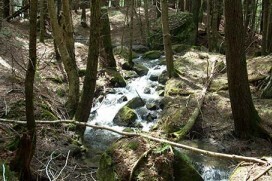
47,165
262,173
4,172
138,162
67,157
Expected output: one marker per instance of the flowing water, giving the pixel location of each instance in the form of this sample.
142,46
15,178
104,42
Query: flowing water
104,112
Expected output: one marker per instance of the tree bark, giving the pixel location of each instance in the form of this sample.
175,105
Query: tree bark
1,13
246,118
89,84
195,10
42,19
26,149
147,24
68,61
106,58
6,11
265,26
131,31
167,39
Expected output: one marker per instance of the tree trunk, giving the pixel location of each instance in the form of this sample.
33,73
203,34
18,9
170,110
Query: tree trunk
265,26
246,118
83,14
26,149
267,92
106,58
89,84
167,39
6,11
195,10
181,5
131,26
42,19
158,7
212,24
269,30
68,61
147,24
1,13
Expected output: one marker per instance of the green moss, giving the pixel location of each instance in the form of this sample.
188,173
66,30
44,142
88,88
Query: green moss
125,117
132,145
61,92
179,48
105,171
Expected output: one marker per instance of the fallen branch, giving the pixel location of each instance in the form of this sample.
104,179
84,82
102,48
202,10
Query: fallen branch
262,173
130,134
191,121
17,13
138,162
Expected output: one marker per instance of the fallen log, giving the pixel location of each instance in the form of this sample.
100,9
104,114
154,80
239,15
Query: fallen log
144,135
18,12
178,135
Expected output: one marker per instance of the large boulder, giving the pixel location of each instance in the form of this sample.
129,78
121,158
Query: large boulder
181,29
124,52
140,69
125,117
167,163
154,54
136,102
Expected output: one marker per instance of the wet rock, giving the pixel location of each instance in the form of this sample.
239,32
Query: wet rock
122,99
163,78
110,91
141,70
130,74
126,66
154,77
115,78
140,48
125,117
150,117
136,102
151,55
147,90
160,87
151,106
180,48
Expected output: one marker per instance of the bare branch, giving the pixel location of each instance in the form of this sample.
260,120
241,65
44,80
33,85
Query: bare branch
145,135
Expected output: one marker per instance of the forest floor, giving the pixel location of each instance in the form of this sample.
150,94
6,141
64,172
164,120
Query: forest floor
56,143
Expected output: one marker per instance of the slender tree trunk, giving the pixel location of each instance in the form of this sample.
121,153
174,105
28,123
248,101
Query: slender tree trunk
269,30
195,10
6,11
158,7
167,39
147,24
1,13
245,116
26,149
212,24
106,58
89,84
131,26
42,19
83,14
68,61
265,26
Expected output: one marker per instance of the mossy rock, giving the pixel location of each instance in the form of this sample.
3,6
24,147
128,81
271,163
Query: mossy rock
167,163
140,69
115,78
129,74
135,102
179,48
151,55
124,52
125,117
175,87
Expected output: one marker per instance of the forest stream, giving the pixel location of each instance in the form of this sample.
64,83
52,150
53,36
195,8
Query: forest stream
104,112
